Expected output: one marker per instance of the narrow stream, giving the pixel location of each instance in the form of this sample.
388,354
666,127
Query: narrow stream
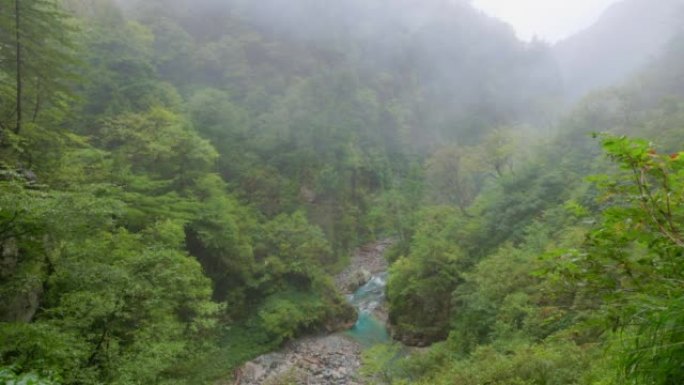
368,330
334,358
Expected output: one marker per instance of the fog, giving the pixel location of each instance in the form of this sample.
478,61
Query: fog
463,58
548,20
186,185
628,36
470,69
453,68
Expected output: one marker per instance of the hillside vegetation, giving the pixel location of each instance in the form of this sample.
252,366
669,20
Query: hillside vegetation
180,180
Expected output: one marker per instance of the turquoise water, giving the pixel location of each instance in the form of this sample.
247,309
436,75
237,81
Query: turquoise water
368,330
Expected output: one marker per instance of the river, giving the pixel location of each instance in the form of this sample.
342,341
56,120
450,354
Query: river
369,329
336,358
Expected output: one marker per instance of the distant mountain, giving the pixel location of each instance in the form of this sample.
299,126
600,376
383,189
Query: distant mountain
630,34
451,71
464,71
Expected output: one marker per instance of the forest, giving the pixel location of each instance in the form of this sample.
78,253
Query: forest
181,182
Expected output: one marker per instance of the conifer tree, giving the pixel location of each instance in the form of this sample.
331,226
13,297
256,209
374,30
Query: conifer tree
36,57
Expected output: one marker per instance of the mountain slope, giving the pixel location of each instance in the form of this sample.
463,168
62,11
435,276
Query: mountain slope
626,37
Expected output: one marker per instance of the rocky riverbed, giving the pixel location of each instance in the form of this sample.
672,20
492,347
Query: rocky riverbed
326,359
367,260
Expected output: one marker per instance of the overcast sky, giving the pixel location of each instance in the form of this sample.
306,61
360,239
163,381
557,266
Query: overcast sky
549,20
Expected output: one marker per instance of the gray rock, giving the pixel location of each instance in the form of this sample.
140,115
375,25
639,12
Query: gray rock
325,359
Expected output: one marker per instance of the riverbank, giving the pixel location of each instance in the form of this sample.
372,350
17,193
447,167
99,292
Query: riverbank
366,261
326,359
318,360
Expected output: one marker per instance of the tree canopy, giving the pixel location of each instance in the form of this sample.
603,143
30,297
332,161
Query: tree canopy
181,180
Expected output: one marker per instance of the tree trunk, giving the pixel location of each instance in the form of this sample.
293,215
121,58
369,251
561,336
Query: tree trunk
36,107
19,95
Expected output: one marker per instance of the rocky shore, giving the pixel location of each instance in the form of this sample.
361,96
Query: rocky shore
326,359
367,260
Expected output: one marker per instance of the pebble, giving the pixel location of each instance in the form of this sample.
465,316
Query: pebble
317,360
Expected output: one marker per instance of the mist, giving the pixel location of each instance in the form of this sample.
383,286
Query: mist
340,192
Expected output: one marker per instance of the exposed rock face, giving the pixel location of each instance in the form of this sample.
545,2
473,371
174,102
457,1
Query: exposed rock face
416,339
9,254
357,279
21,305
342,321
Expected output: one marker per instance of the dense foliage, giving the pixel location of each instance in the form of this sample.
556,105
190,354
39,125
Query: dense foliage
566,271
180,179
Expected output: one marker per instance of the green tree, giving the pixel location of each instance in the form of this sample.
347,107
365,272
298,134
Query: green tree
36,41
158,143
421,283
497,150
631,264
104,300
451,176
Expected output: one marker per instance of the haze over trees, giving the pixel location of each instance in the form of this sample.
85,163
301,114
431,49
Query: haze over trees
629,35
179,181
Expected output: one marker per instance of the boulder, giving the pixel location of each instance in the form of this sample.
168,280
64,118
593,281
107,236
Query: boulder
357,279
